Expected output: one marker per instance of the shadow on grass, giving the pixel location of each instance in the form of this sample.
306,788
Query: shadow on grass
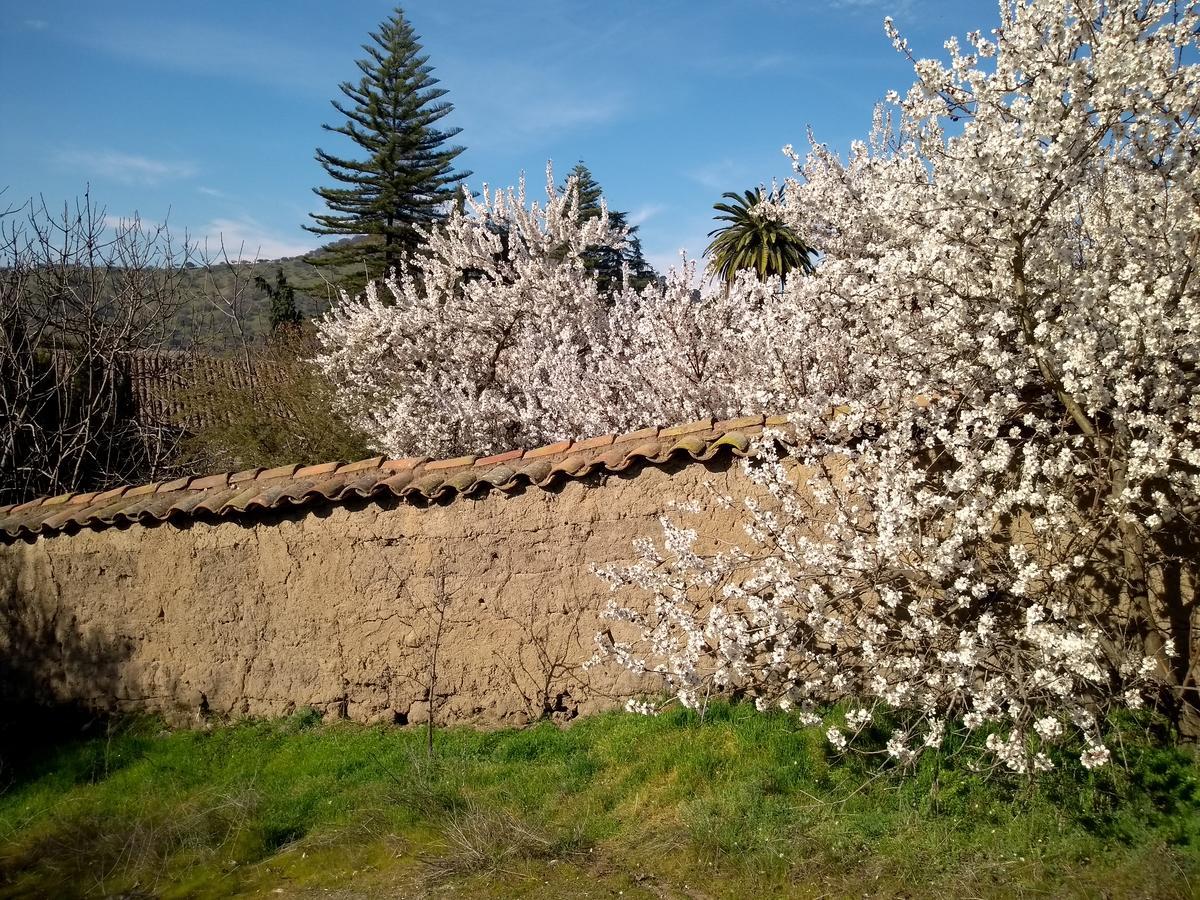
58,681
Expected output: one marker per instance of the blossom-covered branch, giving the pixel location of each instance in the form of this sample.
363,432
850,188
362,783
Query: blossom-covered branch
1000,526
1014,248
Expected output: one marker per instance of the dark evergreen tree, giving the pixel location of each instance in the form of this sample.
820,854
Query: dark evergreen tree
607,262
283,301
405,176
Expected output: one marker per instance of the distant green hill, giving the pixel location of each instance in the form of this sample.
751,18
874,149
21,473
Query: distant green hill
211,293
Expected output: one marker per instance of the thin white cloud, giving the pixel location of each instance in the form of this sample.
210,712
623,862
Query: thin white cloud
752,64
245,238
517,106
210,192
722,175
215,51
772,61
36,24
120,223
126,168
643,214
894,7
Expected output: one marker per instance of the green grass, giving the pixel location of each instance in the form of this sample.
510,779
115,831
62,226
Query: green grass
745,803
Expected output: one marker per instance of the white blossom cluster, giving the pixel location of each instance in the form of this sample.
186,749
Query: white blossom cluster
984,513
497,336
472,342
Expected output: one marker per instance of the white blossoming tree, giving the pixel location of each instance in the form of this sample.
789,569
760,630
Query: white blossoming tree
984,512
498,336
998,525
453,352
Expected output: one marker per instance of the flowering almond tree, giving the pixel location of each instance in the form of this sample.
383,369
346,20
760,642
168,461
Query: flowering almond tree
999,527
463,347
499,336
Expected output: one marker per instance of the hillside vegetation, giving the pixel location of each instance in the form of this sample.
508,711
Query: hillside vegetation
744,804
199,321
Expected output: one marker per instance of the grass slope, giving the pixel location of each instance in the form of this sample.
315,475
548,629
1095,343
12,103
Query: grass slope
198,323
743,804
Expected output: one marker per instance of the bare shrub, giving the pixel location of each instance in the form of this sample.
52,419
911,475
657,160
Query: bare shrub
78,296
274,407
546,662
487,842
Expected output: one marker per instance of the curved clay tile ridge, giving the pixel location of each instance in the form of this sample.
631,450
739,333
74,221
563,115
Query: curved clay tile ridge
415,480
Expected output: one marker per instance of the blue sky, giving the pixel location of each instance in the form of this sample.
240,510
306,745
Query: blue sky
208,114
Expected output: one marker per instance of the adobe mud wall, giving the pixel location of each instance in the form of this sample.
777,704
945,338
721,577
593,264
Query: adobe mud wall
337,606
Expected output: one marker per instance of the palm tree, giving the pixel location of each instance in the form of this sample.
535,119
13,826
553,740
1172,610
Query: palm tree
755,238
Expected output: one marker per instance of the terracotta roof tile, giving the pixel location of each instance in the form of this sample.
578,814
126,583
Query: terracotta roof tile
187,504
303,491
403,465
463,481
536,471
687,428
101,512
637,435
155,509
413,480
648,450
60,519
268,495
426,484
240,498
361,484
499,476
326,488
373,463
209,481
199,502
604,440
499,458
548,450
614,458
319,469
735,424
213,501
396,483
457,463
738,440
279,472
691,444
177,485
131,508
572,465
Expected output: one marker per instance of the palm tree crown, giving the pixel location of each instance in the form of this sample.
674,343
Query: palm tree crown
755,238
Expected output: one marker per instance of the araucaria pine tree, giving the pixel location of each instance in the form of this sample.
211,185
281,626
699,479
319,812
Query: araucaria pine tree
405,177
